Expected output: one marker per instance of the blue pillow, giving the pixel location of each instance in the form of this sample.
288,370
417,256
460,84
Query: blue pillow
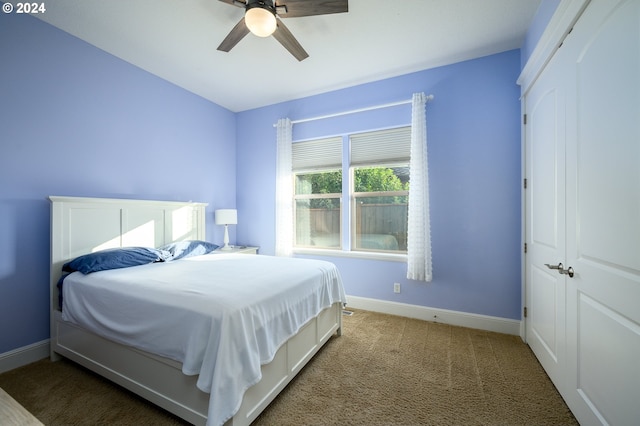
115,258
188,248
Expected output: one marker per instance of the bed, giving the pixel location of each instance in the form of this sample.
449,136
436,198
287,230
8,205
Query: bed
154,368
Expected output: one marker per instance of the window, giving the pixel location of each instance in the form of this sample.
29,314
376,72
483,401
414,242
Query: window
317,167
377,198
379,217
380,190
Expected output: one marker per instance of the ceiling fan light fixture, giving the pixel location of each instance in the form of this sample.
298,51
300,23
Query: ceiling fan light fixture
260,20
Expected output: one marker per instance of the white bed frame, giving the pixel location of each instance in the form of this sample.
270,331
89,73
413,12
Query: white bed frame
83,225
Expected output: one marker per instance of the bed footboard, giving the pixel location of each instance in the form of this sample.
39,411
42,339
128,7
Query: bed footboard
156,379
160,380
288,361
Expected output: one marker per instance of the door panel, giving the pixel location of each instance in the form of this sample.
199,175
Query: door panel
603,208
544,169
607,359
545,229
544,311
608,132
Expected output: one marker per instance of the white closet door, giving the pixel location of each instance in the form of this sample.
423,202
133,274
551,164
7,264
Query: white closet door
603,214
545,221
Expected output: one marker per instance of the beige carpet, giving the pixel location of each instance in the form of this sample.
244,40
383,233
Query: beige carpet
383,370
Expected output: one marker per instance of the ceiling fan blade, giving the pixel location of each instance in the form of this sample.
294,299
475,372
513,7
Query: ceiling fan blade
297,8
237,33
239,3
284,36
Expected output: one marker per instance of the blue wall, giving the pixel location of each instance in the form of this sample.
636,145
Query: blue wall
538,25
77,121
474,160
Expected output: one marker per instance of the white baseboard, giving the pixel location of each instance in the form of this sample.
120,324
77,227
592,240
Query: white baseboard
463,319
24,355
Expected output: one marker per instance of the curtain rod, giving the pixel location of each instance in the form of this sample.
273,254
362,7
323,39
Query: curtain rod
353,111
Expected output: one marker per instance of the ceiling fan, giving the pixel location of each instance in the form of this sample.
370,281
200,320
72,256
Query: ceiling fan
262,18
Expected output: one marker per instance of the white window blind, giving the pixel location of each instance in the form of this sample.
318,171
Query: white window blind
381,146
317,154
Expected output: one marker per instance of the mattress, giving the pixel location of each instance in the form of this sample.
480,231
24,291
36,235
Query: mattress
221,315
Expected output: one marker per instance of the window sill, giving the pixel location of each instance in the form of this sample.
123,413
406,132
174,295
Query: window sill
390,257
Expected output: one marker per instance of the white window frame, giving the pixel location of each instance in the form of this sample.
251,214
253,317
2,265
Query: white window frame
347,226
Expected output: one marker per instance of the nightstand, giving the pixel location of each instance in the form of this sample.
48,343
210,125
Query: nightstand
240,249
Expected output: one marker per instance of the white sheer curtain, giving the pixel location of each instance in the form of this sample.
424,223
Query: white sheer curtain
419,230
284,189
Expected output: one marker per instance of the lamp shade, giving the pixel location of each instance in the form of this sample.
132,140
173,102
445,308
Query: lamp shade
260,22
226,217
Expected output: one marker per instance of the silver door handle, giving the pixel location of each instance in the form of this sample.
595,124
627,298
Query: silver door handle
567,272
560,268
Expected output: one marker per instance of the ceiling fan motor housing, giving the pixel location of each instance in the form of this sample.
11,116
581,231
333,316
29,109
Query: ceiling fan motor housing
263,4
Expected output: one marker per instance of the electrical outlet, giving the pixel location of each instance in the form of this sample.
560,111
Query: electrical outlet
396,287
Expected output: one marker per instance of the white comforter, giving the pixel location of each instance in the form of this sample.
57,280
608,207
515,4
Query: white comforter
221,315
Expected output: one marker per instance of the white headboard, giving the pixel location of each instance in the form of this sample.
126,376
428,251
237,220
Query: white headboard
84,225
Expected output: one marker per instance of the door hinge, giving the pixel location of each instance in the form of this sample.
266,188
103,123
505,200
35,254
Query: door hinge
524,119
524,183
525,312
525,247
563,38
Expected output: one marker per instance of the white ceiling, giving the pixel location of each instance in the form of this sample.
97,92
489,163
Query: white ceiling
177,40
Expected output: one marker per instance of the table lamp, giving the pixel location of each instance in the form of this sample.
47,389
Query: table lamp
226,217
